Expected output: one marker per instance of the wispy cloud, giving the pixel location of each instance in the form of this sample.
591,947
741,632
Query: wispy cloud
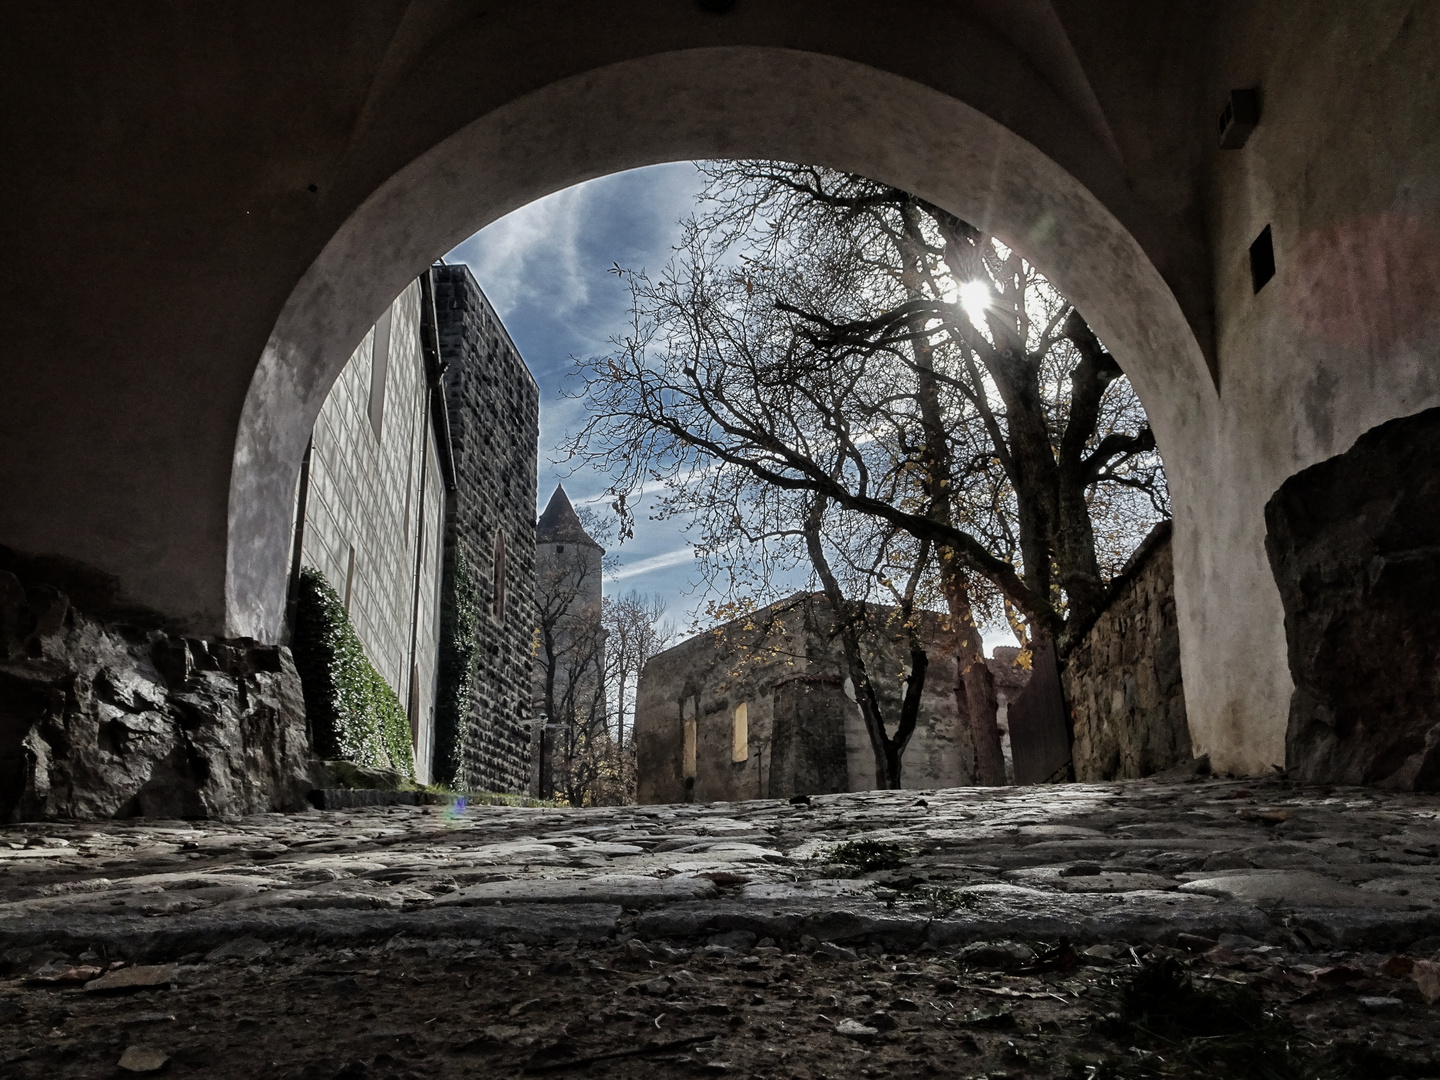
535,252
663,561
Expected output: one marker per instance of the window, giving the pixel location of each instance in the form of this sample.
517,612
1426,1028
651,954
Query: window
349,577
1262,259
497,605
379,366
740,733
559,549
688,753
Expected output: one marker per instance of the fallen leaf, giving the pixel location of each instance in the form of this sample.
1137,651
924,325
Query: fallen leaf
134,978
1426,974
138,1059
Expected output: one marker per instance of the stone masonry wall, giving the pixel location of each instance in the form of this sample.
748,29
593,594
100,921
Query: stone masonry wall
805,733
1354,543
494,410
1122,681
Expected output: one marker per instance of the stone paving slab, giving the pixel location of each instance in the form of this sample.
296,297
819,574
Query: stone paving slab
1139,861
995,933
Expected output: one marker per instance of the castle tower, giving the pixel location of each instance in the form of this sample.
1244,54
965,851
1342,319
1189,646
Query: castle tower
569,669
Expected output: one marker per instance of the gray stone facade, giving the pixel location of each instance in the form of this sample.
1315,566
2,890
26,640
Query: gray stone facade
493,408
761,708
374,504
1122,680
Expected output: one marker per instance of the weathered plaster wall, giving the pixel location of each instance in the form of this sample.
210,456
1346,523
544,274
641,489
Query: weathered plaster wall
1122,681
1345,169
784,664
494,409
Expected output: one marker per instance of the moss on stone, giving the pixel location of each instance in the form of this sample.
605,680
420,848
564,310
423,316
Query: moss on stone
353,713
459,640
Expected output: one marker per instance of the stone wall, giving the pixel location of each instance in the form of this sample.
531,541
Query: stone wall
805,734
1122,680
1354,543
107,719
494,408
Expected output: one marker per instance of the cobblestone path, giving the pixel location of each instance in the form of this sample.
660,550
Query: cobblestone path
1018,932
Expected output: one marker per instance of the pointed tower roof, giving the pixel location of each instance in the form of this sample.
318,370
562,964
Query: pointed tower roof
559,524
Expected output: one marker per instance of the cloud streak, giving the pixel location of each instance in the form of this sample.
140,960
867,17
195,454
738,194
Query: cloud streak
663,561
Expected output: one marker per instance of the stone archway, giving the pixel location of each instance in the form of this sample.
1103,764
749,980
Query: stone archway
716,102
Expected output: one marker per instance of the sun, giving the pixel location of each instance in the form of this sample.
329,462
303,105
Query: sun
975,298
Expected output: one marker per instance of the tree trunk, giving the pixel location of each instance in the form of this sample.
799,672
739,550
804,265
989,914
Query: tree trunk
974,681
974,684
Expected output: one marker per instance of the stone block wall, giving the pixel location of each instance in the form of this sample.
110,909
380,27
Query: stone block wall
494,409
1122,680
805,732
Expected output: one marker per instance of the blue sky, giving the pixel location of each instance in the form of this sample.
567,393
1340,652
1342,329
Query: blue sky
544,268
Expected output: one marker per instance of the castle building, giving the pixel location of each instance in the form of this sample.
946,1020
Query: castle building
569,672
762,708
415,505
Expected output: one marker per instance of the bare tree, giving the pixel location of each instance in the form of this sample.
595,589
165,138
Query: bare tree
635,630
842,342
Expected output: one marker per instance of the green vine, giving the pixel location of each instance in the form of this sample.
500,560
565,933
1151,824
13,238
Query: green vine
459,641
353,713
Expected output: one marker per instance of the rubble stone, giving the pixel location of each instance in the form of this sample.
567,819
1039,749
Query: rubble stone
1354,543
104,720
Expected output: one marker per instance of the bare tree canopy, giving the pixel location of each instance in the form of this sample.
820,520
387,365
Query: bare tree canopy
832,370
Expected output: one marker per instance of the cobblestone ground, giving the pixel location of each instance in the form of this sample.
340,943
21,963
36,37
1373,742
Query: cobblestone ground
1216,928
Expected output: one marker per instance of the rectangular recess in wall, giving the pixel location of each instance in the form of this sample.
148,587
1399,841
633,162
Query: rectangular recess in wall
740,733
1262,259
379,367
349,576
688,763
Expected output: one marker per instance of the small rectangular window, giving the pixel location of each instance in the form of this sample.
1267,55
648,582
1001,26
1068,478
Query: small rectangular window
379,366
498,600
688,770
349,577
740,733
1262,259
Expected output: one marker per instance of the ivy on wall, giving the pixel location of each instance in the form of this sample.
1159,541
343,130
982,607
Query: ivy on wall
459,639
353,713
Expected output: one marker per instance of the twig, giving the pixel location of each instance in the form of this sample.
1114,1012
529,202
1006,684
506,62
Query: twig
634,1051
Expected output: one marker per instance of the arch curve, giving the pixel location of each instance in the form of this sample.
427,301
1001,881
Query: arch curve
733,102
